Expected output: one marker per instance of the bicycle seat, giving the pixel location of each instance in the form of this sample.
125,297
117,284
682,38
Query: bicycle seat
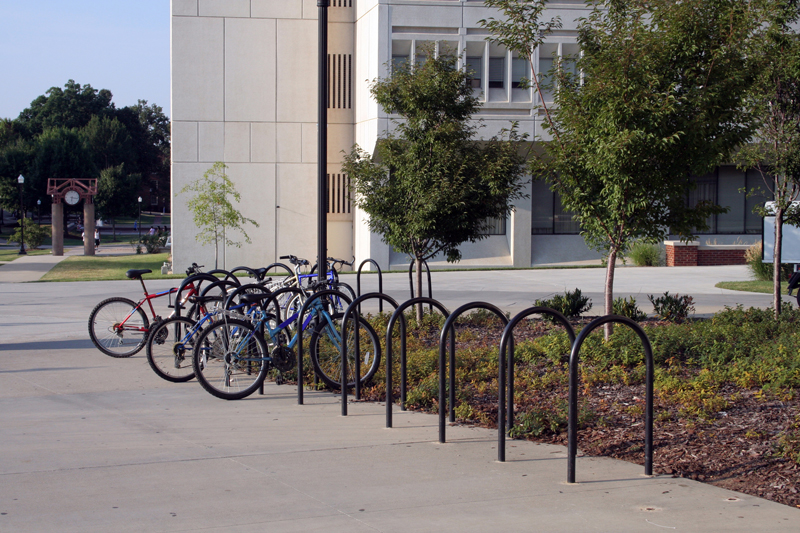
260,272
136,274
254,298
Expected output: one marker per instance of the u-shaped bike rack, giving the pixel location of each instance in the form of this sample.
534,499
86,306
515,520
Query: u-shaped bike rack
572,435
351,309
505,340
398,315
380,280
448,326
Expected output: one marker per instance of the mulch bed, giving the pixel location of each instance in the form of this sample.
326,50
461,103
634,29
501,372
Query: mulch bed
733,450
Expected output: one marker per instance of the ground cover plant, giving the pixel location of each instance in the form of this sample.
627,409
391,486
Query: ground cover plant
727,409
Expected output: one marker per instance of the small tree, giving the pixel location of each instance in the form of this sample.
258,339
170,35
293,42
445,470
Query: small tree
775,102
212,210
660,98
432,186
34,234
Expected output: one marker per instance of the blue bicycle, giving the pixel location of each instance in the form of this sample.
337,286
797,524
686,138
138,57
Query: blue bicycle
233,356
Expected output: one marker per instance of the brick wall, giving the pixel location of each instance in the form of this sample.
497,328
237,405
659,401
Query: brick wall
695,254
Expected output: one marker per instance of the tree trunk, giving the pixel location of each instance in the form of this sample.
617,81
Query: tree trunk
776,265
609,290
418,265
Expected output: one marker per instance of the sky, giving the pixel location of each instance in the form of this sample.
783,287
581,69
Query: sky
119,45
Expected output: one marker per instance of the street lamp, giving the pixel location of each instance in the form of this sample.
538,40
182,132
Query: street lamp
21,181
139,222
39,212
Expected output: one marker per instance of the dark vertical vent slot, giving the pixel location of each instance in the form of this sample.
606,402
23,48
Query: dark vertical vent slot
340,81
338,194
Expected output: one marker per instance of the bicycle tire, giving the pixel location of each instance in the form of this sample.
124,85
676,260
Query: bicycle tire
325,355
215,364
169,351
104,329
345,289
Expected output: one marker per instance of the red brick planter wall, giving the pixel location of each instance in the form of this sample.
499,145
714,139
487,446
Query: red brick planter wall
694,254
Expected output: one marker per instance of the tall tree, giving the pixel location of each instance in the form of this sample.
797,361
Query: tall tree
432,186
212,211
70,107
659,98
115,190
775,102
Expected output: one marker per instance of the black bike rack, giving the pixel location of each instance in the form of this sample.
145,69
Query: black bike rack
505,340
380,281
228,275
411,282
280,265
199,278
398,315
299,326
448,328
343,350
572,435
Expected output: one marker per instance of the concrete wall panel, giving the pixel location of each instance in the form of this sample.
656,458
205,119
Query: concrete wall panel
211,141
197,69
263,142
184,8
309,134
184,141
237,142
297,71
289,142
297,215
250,69
273,9
224,8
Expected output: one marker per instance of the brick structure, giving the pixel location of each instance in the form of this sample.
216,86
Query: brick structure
696,254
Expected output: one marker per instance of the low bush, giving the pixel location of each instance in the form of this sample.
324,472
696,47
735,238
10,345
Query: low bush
570,304
154,243
646,254
672,307
763,271
628,308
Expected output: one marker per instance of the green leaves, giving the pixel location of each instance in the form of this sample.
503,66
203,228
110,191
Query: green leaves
212,210
431,184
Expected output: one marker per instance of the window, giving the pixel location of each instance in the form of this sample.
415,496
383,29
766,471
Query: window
548,216
495,226
520,72
754,180
497,72
474,67
399,61
706,190
545,80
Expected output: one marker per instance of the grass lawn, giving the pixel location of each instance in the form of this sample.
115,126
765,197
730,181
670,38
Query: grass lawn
10,255
750,286
82,268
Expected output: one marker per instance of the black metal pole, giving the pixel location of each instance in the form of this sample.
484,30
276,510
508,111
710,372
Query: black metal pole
21,223
322,144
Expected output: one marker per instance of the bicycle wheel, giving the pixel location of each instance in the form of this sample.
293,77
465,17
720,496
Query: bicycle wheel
117,327
229,359
345,289
170,347
325,354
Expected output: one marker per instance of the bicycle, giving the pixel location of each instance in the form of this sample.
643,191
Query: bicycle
232,357
119,327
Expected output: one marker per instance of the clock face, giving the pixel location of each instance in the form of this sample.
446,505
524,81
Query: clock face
72,197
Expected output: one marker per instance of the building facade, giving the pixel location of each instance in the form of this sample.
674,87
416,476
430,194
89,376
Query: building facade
244,91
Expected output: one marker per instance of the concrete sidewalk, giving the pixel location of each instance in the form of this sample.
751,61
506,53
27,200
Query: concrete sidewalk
29,268
92,443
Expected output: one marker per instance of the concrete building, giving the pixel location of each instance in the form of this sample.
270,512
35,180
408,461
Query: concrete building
244,91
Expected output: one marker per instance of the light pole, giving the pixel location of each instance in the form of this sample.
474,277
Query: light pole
139,219
21,181
39,212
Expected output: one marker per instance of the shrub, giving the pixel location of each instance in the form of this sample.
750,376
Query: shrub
628,308
646,254
672,307
154,243
763,271
34,234
570,304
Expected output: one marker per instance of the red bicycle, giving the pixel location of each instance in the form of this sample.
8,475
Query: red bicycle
119,327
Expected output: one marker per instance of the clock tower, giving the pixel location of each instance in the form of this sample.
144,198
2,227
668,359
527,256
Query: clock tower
71,192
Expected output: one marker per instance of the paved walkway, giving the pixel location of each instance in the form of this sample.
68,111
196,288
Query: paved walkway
92,443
